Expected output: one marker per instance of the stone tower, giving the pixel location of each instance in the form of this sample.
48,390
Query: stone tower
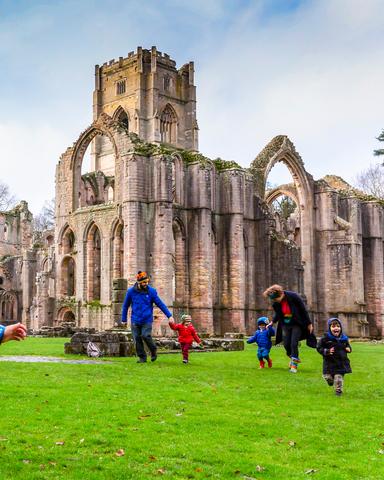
146,93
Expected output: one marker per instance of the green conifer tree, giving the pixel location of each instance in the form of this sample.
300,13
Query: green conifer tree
380,151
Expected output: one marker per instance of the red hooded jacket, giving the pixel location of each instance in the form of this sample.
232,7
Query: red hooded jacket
186,334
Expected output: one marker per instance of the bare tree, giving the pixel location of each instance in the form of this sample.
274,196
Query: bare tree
371,181
45,220
7,200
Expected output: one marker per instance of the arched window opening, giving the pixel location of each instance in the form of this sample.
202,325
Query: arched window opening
69,317
68,269
281,196
122,117
5,232
94,264
118,252
287,217
110,194
177,179
168,125
68,242
180,266
8,306
98,162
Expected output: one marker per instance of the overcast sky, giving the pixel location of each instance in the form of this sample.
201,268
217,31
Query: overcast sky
309,69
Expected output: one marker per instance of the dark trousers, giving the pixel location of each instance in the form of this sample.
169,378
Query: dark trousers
291,337
143,333
185,350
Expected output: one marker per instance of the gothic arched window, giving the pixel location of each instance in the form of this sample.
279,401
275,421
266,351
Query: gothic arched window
168,125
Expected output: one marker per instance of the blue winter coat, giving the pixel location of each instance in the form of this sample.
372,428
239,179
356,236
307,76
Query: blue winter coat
263,337
142,302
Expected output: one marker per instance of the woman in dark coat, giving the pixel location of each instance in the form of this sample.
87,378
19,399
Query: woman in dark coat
293,320
334,347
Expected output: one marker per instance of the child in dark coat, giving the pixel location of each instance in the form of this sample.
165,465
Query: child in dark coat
262,337
187,334
334,347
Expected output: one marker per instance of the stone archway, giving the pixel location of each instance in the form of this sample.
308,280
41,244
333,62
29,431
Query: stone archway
8,306
103,126
66,315
281,149
292,224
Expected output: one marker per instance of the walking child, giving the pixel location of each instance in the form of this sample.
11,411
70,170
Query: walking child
187,334
262,337
334,347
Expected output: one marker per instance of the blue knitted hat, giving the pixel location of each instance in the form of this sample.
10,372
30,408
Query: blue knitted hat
262,320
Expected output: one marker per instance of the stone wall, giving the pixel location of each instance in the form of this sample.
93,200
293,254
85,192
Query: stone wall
203,229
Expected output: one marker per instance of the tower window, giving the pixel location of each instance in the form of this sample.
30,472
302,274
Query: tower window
167,82
120,87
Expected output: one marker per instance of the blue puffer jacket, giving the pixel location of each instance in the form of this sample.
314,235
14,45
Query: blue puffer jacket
263,337
2,331
142,305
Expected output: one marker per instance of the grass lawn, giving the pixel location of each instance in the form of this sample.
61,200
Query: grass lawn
218,417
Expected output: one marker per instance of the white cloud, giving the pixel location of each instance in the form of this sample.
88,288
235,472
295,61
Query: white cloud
313,73
29,154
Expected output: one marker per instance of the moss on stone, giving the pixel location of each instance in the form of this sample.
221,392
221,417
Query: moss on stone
146,149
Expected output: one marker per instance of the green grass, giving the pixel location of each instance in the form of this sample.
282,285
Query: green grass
218,417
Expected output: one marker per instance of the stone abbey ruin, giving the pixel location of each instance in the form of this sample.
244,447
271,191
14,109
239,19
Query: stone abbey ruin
204,229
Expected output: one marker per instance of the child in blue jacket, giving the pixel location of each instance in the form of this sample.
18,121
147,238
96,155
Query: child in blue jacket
262,337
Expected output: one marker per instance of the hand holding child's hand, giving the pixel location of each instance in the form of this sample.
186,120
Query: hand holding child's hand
347,349
332,350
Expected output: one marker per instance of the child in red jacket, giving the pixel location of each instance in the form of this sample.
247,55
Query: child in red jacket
187,334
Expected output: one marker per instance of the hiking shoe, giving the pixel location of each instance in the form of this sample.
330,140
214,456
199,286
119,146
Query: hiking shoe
185,361
154,357
330,382
142,360
338,394
293,369
269,363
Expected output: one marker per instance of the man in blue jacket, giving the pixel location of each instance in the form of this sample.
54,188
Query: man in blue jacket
141,298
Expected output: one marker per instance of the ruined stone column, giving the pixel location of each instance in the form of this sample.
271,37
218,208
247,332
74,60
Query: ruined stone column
200,246
233,282
373,236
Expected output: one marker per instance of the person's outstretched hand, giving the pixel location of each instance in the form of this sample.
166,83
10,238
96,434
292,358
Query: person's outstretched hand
17,332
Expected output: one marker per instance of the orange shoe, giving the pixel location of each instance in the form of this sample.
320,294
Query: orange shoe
269,363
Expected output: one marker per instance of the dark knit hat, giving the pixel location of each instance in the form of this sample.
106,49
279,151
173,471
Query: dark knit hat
141,276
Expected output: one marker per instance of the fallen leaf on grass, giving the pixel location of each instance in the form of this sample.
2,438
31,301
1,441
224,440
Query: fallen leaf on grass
59,443
42,466
179,414
3,439
236,472
249,478
152,458
141,417
259,468
120,452
26,461
53,464
381,452
161,471
311,470
198,469
81,440
292,443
